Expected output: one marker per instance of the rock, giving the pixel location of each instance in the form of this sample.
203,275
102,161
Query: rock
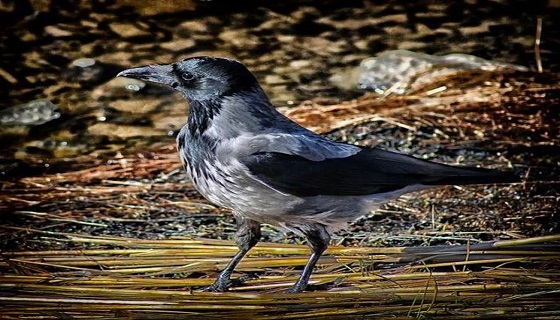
33,113
272,25
128,83
194,26
112,115
170,121
89,72
115,57
178,45
411,45
286,38
144,106
89,23
7,76
55,148
41,5
361,44
346,79
325,47
121,84
398,70
101,17
272,79
127,30
83,62
149,8
121,87
299,64
28,37
7,7
57,32
240,39
123,131
306,13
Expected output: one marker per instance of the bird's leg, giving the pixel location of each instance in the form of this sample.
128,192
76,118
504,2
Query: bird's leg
247,235
318,240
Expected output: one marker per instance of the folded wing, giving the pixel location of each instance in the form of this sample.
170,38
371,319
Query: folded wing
369,171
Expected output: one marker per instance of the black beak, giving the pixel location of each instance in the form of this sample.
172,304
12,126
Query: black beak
162,74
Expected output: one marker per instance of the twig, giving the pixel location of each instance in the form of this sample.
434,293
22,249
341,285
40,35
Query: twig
538,45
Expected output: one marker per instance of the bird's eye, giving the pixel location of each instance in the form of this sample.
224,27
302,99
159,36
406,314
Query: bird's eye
187,76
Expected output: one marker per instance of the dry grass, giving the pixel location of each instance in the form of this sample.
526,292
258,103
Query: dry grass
105,242
122,278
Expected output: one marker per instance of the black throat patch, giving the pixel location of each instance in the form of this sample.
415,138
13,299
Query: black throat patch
201,114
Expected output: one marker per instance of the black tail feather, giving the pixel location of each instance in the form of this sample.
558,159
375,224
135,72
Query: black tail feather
471,175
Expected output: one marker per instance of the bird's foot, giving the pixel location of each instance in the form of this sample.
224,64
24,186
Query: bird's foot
294,290
316,287
218,286
297,288
223,284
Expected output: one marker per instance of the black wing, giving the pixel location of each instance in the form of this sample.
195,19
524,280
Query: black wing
369,171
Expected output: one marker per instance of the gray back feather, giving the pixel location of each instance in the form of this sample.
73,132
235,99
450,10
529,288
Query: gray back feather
248,124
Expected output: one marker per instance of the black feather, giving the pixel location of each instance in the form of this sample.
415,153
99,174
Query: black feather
201,114
370,171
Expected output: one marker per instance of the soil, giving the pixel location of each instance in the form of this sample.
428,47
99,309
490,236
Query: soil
107,165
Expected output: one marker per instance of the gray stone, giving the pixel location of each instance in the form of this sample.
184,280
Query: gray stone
398,70
32,113
83,62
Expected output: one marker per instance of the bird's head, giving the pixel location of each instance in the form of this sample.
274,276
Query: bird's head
222,95
198,78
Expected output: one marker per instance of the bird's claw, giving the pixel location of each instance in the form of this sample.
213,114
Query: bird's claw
218,286
316,287
223,284
293,290
298,288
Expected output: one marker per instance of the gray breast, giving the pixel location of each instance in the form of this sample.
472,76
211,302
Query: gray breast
221,178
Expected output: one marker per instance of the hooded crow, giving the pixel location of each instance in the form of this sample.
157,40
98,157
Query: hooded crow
242,154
